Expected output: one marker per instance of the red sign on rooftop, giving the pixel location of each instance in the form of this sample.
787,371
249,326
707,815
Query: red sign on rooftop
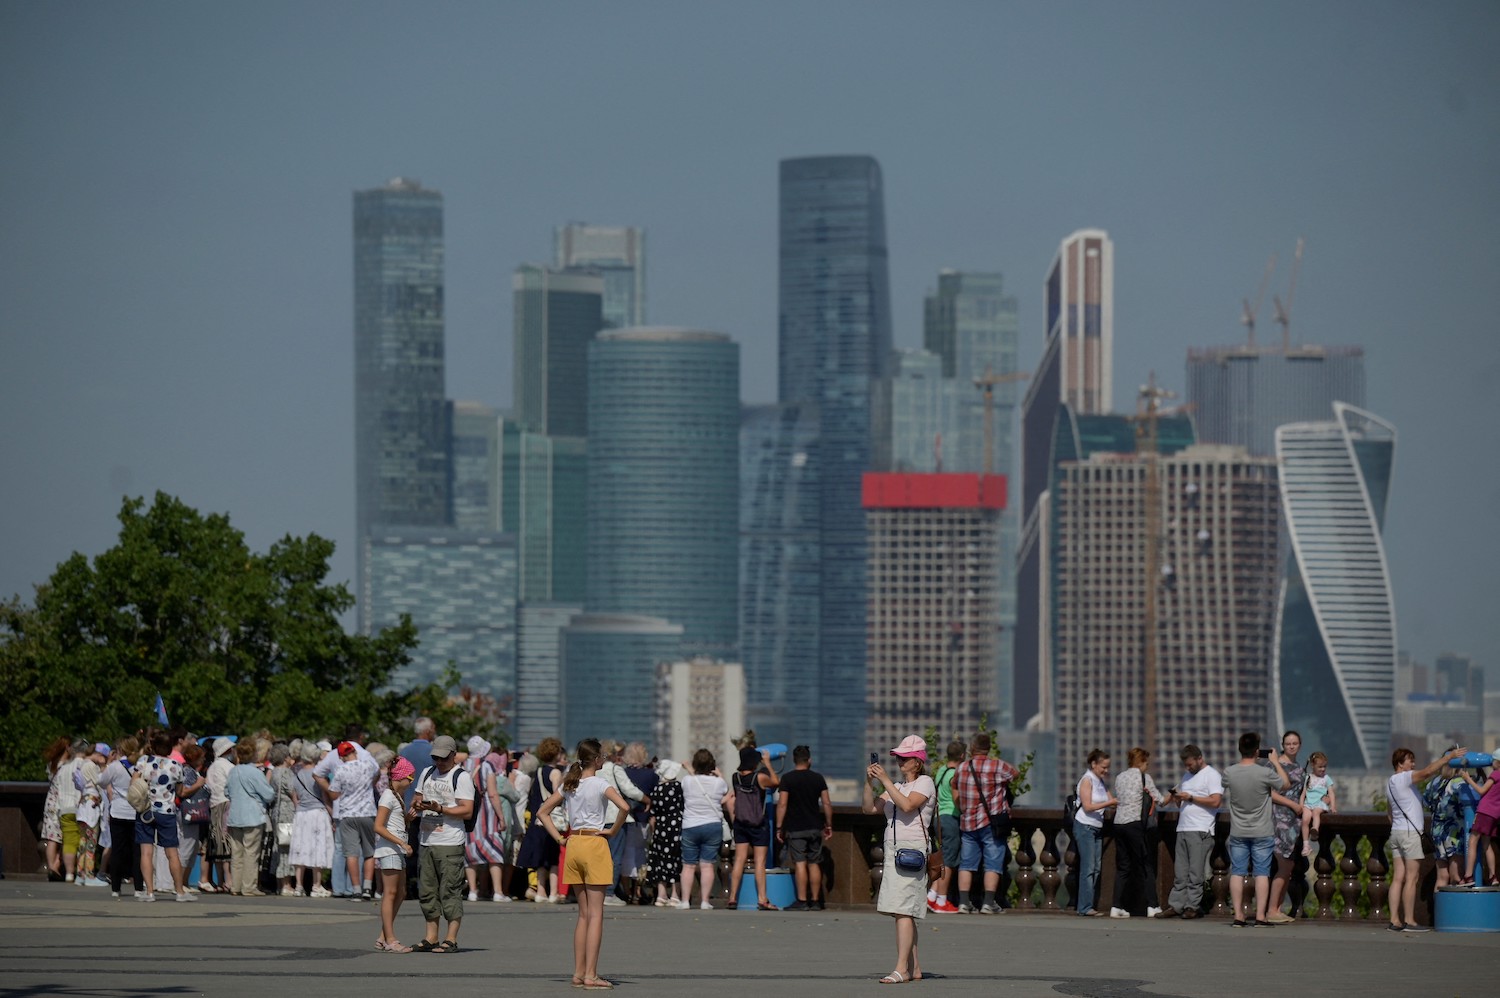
945,491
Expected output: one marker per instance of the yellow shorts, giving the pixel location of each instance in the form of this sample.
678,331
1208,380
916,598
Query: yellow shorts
588,862
69,822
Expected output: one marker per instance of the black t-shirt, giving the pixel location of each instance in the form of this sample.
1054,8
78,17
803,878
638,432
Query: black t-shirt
803,790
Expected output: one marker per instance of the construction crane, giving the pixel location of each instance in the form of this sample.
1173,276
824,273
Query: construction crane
987,385
1283,317
1247,316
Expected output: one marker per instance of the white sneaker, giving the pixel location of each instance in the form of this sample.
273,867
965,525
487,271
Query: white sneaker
613,901
705,906
502,898
1118,913
1152,912
321,892
185,896
473,896
541,898
115,895
146,896
680,905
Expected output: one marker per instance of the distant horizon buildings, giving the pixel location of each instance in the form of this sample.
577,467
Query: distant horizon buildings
400,403
1214,588
1076,370
615,253
700,703
834,347
1336,648
1240,394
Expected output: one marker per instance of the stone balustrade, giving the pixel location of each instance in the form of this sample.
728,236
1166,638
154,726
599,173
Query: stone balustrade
1043,865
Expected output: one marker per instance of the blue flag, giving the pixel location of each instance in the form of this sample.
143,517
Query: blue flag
161,712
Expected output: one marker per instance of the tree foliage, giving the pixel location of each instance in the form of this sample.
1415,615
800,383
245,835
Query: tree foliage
235,641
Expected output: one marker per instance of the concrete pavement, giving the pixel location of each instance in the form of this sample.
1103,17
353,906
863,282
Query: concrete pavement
63,940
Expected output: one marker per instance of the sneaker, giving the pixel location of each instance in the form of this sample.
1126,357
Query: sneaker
1410,927
705,906
147,896
115,895
185,896
299,893
945,907
965,908
69,879
1118,913
613,901
94,882
320,892
1396,928
1153,912
473,896
254,892
800,905
365,895
1279,918
501,898
991,909
680,905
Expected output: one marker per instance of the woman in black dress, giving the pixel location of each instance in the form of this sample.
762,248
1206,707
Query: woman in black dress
664,855
539,851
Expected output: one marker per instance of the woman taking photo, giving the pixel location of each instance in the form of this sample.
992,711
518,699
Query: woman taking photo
589,870
1135,868
751,829
908,807
705,795
1088,828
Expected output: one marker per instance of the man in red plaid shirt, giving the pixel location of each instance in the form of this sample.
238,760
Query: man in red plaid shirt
983,821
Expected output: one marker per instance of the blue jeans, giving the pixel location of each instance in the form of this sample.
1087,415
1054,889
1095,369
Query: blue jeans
1246,854
981,841
1089,841
700,844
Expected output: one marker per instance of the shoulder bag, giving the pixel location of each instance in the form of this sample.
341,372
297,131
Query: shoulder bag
999,823
908,859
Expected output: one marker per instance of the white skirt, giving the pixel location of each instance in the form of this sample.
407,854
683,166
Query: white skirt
312,839
902,892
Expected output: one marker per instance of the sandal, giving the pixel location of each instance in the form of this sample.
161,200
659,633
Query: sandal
732,905
394,946
446,946
425,946
894,977
766,906
597,984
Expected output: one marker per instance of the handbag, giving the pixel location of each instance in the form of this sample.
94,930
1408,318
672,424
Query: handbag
909,859
283,833
195,808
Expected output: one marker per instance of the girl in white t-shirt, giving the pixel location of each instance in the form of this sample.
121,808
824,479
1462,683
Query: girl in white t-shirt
390,853
587,867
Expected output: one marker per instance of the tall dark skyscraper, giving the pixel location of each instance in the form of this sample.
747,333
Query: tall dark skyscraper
400,414
834,337
557,314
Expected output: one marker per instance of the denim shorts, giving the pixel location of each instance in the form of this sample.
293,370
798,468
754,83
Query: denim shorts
700,844
980,840
1244,852
161,830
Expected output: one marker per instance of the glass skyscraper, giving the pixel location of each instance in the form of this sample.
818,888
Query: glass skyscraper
541,487
556,316
473,466
779,572
615,253
1241,394
538,711
400,417
663,482
834,341
1335,667
609,675
460,589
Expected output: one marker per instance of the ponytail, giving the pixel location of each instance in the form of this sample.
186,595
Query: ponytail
585,757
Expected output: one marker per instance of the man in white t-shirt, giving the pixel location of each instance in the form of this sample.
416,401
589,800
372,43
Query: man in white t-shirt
1406,832
1200,793
444,799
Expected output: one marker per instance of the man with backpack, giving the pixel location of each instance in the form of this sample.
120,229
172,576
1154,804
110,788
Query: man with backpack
982,792
444,800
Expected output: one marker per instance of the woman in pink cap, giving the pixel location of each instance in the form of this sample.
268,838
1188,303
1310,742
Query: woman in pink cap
908,807
391,850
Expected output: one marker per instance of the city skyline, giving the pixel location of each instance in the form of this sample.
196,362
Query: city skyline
177,282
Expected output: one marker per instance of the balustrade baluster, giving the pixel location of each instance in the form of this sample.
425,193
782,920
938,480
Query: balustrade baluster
1380,887
1218,881
1349,888
1025,866
1050,879
1323,886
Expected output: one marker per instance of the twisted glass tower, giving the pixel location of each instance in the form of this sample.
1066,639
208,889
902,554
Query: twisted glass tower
1335,667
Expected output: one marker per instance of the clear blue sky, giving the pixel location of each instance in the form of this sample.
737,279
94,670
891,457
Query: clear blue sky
175,221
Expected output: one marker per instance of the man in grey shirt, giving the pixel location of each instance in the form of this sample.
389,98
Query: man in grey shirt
1252,829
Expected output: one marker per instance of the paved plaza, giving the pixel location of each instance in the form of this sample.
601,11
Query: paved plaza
58,939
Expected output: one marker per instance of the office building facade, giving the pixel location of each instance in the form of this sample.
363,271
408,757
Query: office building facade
1076,369
834,345
609,675
934,616
700,703
1215,590
779,571
400,416
1335,667
557,314
618,255
459,587
1241,394
473,466
663,481
538,711
542,485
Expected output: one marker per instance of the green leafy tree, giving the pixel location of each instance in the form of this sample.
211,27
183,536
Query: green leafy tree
234,641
